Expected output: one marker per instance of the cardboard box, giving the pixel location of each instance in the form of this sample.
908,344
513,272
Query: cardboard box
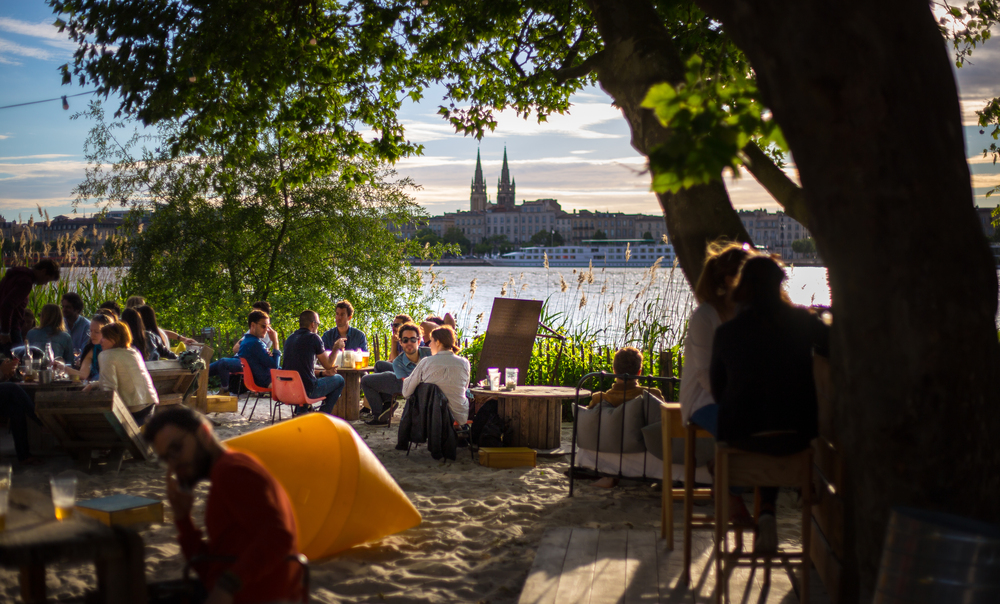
507,457
122,509
222,404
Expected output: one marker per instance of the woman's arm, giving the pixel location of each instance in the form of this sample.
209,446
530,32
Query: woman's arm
84,371
410,384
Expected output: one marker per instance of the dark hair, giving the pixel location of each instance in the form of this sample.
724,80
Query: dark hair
723,259
74,300
434,319
134,302
185,418
51,319
118,333
102,318
346,306
410,326
445,336
628,360
131,318
113,307
149,318
263,305
760,283
400,320
306,317
256,316
49,267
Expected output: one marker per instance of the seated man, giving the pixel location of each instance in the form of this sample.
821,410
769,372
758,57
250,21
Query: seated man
627,360
380,388
395,349
302,349
261,363
248,516
77,325
270,337
349,337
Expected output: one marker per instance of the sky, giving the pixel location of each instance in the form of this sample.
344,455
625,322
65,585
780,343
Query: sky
583,158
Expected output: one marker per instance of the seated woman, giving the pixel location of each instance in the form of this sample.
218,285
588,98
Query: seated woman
51,331
140,342
154,335
123,371
627,360
88,367
445,369
762,376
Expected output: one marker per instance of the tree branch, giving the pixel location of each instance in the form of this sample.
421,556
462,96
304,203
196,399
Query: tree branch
788,194
578,71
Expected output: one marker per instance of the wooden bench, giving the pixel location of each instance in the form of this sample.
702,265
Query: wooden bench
173,381
88,421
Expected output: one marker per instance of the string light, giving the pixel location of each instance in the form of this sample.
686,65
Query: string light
62,98
312,41
65,103
191,77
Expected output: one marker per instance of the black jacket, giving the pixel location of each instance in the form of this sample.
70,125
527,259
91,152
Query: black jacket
426,418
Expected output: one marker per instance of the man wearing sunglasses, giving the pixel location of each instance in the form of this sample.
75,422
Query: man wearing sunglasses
380,388
249,520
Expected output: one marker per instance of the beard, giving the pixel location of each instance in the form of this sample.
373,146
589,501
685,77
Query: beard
201,467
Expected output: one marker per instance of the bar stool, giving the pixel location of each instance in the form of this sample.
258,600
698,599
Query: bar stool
670,417
735,467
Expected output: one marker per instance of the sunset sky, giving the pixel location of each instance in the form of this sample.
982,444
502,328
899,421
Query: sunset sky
583,159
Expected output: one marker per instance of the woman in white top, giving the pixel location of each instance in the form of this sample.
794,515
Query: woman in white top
124,371
715,307
445,369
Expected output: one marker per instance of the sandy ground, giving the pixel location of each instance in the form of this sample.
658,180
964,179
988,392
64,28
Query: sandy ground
481,526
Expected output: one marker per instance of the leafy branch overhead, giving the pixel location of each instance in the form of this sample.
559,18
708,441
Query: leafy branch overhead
711,120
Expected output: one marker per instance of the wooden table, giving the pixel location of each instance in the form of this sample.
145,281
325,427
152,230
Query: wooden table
34,538
34,387
348,406
533,413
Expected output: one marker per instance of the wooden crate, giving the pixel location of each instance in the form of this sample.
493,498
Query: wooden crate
507,457
122,509
222,404
84,421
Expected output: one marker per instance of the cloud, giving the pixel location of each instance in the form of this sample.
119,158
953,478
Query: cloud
44,30
12,48
429,161
2,137
45,156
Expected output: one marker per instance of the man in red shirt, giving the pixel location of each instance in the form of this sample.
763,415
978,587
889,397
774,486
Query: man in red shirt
15,287
248,516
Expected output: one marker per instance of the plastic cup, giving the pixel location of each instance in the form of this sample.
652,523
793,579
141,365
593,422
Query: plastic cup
494,375
511,378
63,495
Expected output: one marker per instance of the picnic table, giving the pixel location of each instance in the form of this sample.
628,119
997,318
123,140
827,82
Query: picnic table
33,538
348,406
534,413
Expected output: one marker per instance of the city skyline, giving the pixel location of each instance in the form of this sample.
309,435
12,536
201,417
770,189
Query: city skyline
583,158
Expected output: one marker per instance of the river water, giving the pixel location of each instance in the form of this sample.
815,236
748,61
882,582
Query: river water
606,302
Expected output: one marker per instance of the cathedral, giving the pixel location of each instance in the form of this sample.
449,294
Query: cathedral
479,200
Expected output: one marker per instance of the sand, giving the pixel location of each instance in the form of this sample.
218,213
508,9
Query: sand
481,526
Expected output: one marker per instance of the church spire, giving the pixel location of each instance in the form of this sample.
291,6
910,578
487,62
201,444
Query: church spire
505,189
477,201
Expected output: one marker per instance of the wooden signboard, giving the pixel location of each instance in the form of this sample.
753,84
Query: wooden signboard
510,336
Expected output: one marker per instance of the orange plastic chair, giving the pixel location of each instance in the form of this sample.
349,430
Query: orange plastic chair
252,387
287,389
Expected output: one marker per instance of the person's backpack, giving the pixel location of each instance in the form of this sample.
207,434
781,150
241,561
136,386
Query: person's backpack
488,426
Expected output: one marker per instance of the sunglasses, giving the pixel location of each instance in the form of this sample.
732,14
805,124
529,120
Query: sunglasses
409,340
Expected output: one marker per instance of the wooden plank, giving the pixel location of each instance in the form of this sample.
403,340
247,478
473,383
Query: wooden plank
536,424
756,469
610,568
827,563
524,405
201,403
642,574
555,422
577,577
543,580
828,513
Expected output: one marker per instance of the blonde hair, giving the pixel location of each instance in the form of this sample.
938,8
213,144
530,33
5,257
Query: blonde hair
51,319
118,333
722,259
446,337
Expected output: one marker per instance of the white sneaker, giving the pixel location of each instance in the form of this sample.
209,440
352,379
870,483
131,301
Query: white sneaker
766,538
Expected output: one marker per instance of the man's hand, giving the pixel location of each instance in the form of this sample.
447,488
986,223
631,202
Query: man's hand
7,367
181,501
219,596
330,371
272,335
188,341
340,344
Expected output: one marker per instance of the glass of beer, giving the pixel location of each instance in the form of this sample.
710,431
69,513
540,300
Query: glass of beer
63,495
365,358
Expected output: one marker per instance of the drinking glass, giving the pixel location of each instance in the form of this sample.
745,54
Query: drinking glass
365,358
5,482
494,375
63,495
511,378
358,359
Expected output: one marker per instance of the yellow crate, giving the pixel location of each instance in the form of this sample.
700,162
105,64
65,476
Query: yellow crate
222,404
122,509
507,457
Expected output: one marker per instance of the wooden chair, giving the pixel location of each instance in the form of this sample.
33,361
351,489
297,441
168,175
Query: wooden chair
734,467
253,387
87,421
287,389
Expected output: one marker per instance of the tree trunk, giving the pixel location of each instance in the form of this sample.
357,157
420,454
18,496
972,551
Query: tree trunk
865,97
638,53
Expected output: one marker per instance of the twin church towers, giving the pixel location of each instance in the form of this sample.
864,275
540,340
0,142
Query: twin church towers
505,188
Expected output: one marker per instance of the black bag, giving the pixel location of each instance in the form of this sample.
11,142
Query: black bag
488,426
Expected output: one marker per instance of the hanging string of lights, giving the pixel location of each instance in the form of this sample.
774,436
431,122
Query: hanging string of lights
65,103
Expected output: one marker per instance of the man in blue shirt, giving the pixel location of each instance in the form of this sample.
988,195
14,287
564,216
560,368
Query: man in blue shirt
302,349
380,388
353,339
77,325
253,349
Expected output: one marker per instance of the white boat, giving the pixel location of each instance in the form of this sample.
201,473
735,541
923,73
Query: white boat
604,255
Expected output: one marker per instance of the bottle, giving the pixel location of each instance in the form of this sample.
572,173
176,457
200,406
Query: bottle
49,358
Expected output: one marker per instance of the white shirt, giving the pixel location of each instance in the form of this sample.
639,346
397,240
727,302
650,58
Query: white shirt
450,373
124,371
696,387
